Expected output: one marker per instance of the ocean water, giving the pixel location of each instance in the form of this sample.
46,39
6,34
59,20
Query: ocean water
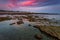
23,31
57,17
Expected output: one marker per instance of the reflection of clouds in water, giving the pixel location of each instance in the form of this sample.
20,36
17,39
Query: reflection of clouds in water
57,17
53,16
15,31
20,25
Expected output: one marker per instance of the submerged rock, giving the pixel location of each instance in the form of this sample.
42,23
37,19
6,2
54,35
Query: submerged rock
12,23
38,36
29,24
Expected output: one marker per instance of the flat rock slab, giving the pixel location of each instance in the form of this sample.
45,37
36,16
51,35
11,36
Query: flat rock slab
51,30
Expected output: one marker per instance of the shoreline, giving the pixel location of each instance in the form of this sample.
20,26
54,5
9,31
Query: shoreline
50,33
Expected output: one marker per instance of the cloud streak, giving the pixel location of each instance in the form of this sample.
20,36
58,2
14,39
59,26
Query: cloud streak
24,3
44,9
30,5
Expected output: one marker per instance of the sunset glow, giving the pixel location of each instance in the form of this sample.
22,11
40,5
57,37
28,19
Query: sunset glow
17,4
27,3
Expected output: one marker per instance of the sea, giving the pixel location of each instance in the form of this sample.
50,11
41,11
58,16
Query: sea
23,31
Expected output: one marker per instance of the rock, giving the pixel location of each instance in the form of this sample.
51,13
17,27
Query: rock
12,23
38,36
19,22
36,26
53,31
29,24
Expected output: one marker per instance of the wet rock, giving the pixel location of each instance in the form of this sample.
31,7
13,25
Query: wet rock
36,26
19,22
38,36
12,23
51,31
29,24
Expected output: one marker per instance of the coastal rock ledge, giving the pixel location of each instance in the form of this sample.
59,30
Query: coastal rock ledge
53,31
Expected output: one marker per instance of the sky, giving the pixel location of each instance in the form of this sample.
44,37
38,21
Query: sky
41,6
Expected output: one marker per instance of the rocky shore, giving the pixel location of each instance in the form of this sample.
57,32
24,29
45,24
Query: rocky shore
50,30
43,24
46,26
4,18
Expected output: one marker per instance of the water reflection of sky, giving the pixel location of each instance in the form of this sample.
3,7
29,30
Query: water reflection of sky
19,32
57,17
15,32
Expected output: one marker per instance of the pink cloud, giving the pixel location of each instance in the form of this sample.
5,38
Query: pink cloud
21,3
26,3
3,6
30,2
10,5
7,6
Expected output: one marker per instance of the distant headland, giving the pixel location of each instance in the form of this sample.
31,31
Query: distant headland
6,12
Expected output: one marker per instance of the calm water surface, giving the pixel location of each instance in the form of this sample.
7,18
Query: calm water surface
21,32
